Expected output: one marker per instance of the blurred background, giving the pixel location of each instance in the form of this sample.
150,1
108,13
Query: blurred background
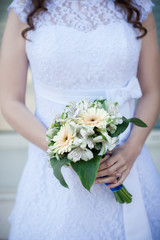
13,147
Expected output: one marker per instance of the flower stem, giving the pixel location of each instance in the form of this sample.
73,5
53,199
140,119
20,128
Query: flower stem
123,196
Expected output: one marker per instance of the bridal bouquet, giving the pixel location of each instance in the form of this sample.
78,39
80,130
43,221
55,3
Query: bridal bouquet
81,136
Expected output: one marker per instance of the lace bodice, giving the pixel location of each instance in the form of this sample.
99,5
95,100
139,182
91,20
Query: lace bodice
85,13
83,44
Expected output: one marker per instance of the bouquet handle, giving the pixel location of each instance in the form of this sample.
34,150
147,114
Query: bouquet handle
121,194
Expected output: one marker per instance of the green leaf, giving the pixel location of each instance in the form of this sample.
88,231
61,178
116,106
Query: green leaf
109,120
50,143
57,165
92,105
103,102
87,170
95,135
137,122
121,127
100,100
63,115
57,124
104,106
104,138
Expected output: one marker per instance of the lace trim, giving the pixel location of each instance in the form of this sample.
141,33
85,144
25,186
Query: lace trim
84,15
22,8
145,7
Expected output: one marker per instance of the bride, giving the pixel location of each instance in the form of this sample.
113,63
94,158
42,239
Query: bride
76,49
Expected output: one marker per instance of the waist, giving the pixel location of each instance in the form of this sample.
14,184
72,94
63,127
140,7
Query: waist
131,90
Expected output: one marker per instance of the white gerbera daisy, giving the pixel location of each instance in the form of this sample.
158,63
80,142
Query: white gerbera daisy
63,140
94,117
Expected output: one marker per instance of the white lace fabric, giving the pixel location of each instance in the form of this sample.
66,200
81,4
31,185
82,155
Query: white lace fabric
95,17
85,46
91,12
81,15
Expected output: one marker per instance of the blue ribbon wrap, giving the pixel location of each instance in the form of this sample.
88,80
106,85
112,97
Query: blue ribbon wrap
114,189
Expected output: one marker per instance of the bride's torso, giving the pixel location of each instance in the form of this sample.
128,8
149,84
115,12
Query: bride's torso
83,44
82,48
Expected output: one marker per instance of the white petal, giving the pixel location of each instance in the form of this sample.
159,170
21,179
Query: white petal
90,144
75,154
103,149
83,144
50,152
83,132
86,131
98,139
112,144
77,141
87,155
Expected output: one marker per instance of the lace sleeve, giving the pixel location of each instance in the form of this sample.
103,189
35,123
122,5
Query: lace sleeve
22,8
145,7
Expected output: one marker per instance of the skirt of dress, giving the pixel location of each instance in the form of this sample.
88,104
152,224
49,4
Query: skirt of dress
45,210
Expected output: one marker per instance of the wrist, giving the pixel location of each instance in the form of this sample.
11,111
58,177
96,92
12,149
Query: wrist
45,147
134,145
45,142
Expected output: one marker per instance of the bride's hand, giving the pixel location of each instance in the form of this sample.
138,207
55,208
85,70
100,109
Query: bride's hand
115,168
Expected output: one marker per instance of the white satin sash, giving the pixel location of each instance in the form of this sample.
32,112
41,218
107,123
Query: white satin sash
135,217
122,94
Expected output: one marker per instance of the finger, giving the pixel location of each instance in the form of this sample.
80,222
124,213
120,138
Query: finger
106,180
121,170
103,173
108,163
120,181
109,171
105,158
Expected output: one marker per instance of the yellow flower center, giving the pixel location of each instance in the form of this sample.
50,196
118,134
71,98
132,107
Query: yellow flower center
93,117
65,140
92,120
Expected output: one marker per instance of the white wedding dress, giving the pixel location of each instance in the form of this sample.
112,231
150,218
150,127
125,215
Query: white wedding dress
83,49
